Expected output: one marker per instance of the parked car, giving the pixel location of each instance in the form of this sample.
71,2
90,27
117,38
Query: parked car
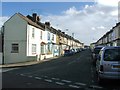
108,63
95,53
67,52
73,51
79,50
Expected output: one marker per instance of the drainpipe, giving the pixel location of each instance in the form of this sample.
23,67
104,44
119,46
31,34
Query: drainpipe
2,33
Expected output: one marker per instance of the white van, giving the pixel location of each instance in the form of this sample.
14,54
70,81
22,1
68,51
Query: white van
108,63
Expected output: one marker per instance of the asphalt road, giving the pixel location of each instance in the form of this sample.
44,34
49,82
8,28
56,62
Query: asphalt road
74,71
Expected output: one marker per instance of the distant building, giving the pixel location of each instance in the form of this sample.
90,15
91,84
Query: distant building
92,45
111,38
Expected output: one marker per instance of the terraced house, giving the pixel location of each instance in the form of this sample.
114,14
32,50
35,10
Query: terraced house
27,39
111,38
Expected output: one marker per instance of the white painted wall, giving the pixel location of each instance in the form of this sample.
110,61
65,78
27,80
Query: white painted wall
69,42
30,40
15,32
45,37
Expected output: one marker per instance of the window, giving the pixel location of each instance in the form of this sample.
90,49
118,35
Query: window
48,36
41,35
15,48
34,48
33,32
112,55
53,37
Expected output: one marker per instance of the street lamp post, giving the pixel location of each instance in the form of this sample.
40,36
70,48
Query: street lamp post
73,35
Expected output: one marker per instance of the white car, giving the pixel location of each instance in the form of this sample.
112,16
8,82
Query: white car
108,63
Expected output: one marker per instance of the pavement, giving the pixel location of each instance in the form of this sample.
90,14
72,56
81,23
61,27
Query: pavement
22,64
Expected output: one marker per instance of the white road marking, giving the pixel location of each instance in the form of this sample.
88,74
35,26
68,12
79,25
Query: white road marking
55,78
94,86
66,81
22,74
60,83
48,80
38,78
82,84
7,69
74,86
30,76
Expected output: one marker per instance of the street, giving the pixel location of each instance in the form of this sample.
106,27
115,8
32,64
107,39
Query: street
74,71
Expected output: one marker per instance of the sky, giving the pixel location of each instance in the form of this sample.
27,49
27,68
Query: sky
87,20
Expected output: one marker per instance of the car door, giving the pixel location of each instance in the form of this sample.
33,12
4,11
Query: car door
99,59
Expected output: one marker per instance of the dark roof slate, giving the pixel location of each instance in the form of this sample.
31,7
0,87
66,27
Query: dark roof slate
30,21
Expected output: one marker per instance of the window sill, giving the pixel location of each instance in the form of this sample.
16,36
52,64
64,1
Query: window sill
14,52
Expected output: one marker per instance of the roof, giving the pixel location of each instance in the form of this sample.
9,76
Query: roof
29,21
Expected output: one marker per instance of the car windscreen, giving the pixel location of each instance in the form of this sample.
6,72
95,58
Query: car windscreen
112,54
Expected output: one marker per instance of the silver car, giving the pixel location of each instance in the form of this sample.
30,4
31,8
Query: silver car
108,63
95,53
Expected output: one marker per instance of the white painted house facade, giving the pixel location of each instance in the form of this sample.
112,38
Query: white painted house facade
49,40
21,40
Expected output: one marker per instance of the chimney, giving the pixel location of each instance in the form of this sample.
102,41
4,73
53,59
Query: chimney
47,23
38,18
34,17
63,32
59,30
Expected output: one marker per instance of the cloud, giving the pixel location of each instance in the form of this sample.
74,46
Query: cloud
88,24
2,20
101,27
112,3
114,13
72,11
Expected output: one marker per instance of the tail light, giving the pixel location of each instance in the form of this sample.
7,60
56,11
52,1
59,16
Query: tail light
101,68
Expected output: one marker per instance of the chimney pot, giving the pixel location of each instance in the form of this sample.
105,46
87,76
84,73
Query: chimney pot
47,23
59,30
34,17
63,32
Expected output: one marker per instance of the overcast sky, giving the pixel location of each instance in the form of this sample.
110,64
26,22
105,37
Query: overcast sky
87,20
